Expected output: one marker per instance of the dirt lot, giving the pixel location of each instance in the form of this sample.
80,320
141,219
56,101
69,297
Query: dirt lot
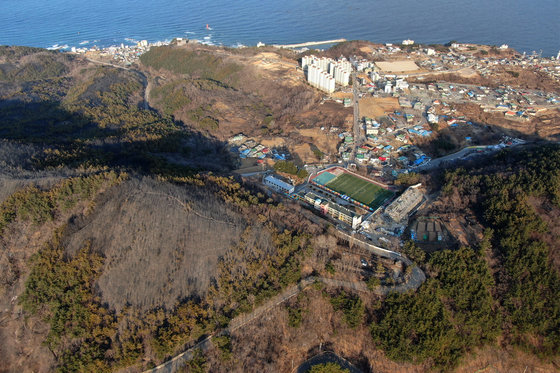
342,95
374,107
276,66
273,142
325,141
397,66
305,153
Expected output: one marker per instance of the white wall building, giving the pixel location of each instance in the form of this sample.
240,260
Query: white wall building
320,79
388,87
402,206
340,70
401,84
432,118
278,184
361,64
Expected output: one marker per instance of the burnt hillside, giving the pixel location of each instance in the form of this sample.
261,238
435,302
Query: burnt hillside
160,242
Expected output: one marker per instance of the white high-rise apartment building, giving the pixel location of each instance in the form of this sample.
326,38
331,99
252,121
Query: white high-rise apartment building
323,73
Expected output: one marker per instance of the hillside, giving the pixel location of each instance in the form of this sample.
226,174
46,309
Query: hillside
488,306
92,116
125,240
165,252
223,92
133,267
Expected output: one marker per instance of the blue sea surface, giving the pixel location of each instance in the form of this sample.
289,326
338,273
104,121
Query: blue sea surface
526,25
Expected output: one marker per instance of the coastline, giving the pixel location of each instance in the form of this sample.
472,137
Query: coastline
127,54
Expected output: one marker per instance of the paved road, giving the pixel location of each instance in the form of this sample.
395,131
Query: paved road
356,125
466,153
438,162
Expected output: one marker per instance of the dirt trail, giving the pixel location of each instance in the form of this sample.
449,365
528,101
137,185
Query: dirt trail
145,80
414,281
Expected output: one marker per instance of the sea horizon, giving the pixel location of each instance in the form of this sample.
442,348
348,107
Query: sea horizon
63,24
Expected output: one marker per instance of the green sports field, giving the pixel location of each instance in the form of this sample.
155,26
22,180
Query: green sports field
359,189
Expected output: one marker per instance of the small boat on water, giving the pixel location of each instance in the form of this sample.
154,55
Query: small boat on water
208,27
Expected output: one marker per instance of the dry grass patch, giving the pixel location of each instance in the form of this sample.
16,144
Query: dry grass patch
374,107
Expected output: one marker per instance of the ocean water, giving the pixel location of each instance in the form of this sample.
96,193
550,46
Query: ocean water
526,25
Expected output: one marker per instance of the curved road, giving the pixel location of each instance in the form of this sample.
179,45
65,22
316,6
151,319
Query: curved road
356,124
469,152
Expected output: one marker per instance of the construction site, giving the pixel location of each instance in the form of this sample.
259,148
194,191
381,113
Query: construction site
400,208
386,228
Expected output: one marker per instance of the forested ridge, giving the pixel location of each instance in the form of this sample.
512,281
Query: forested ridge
526,280
503,288
93,117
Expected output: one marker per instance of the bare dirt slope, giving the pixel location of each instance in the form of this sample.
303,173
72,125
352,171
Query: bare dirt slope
161,242
496,360
545,124
513,76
